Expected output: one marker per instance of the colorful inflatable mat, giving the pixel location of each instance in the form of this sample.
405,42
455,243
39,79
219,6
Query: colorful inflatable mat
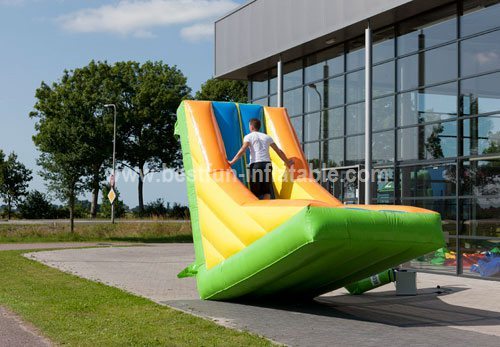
302,243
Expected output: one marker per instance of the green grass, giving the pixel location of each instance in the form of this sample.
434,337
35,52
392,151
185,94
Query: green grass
129,232
73,311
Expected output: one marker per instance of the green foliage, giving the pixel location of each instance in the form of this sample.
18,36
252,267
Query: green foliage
157,209
73,132
105,208
130,231
36,206
223,90
14,180
147,111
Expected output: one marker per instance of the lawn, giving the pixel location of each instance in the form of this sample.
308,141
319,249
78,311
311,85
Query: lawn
130,232
74,311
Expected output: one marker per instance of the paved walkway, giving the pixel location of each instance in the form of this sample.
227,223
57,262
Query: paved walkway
49,245
15,333
463,312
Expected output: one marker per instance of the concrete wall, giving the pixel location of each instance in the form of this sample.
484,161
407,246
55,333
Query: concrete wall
262,29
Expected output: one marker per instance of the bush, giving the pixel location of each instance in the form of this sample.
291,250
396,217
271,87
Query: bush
179,212
156,209
37,206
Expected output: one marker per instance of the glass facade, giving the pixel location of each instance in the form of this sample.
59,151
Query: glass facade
436,121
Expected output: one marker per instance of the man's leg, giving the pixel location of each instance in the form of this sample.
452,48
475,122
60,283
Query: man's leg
266,197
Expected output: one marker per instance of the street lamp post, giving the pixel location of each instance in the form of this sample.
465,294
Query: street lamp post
313,87
114,159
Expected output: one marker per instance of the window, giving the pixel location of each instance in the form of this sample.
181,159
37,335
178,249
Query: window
355,86
311,127
262,102
481,178
311,150
355,118
481,94
429,67
324,64
383,79
383,186
356,54
313,101
335,153
273,100
408,72
297,125
440,65
479,217
292,100
476,255
335,122
259,85
479,16
428,105
292,74
383,147
427,30
383,113
355,150
335,92
428,181
383,46
481,135
480,54
433,141
273,81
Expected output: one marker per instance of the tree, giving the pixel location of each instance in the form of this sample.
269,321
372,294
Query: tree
223,90
14,182
150,95
36,206
62,140
79,96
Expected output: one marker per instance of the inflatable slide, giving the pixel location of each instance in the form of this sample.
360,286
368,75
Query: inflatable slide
302,243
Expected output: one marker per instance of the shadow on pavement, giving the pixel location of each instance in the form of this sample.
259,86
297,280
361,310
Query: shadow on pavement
425,309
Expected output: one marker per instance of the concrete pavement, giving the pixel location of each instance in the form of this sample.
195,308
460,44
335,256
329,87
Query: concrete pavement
16,333
59,245
462,312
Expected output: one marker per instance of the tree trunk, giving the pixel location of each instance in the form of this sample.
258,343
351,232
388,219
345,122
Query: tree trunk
140,189
95,196
72,212
8,208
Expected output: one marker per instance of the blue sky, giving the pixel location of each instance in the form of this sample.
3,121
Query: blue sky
41,38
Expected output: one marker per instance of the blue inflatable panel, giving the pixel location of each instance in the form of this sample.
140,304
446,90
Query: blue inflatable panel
227,117
249,111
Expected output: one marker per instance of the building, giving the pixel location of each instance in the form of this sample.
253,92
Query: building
431,70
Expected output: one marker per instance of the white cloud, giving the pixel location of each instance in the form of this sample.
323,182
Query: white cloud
138,17
198,32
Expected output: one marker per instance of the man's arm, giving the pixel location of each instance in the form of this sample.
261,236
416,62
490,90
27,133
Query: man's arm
288,162
240,153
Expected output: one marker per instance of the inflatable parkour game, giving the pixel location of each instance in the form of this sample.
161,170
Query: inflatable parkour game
300,244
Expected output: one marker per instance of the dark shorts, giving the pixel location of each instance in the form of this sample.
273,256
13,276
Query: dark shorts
261,178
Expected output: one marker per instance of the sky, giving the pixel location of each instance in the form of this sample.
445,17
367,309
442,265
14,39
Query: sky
39,39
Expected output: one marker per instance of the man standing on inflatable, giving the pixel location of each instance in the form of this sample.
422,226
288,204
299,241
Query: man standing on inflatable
260,160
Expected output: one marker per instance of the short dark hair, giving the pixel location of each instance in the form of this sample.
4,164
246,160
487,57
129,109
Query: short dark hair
255,123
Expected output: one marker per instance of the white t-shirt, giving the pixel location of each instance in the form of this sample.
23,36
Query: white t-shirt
259,146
